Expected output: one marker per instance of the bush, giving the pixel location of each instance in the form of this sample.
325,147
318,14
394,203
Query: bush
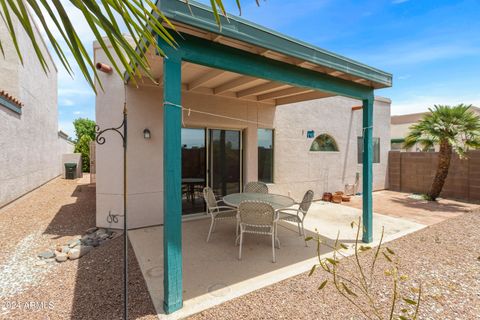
83,146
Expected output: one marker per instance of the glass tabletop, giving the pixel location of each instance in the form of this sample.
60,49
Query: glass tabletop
277,201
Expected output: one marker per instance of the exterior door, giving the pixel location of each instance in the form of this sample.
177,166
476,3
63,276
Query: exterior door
225,161
194,170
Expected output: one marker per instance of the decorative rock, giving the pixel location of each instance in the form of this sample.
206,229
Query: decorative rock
91,230
103,236
95,243
78,252
46,255
65,249
74,243
100,232
60,256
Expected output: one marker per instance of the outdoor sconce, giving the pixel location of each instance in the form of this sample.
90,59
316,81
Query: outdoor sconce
146,134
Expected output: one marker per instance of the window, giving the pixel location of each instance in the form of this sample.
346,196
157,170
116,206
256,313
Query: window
265,155
324,142
376,150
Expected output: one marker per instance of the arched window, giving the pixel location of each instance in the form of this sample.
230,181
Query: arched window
324,142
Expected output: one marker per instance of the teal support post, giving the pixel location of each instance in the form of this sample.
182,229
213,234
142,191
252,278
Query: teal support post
172,190
367,218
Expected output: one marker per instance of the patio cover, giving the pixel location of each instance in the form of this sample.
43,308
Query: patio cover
294,70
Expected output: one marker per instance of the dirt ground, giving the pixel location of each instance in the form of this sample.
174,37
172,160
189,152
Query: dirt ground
398,204
88,288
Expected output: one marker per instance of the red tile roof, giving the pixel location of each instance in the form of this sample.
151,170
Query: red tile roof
11,98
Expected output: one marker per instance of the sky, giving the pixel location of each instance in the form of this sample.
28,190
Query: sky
432,48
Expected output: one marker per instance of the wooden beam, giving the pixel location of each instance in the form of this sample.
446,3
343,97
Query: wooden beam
302,97
172,183
282,93
235,83
210,75
219,56
367,167
336,73
259,89
357,108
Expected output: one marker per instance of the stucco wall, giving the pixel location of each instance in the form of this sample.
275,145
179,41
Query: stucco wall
145,157
29,143
296,169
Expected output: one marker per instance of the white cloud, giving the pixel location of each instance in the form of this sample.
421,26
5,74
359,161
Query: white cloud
409,53
422,103
67,102
77,113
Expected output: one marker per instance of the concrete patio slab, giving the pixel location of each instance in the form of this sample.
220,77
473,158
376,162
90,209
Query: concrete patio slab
212,274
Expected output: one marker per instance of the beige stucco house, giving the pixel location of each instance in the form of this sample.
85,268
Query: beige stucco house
228,106
400,125
30,143
232,133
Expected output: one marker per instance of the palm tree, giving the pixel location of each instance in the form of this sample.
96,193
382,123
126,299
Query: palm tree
455,129
141,18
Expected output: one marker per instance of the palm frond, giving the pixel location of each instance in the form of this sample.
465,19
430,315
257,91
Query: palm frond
458,126
142,18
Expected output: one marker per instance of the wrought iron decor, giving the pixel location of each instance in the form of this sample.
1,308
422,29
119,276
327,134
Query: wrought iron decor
122,131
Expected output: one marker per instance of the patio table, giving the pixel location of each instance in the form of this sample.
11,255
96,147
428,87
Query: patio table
277,201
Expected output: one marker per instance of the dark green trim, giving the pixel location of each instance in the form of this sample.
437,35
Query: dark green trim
9,105
215,55
172,186
397,140
367,167
245,31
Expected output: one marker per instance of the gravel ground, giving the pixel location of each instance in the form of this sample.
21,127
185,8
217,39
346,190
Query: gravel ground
88,288
444,257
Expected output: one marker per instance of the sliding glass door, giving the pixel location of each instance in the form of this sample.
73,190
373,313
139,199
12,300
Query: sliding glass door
194,157
209,157
225,161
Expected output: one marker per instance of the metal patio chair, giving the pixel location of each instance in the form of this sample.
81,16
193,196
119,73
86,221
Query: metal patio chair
216,211
257,217
297,215
255,187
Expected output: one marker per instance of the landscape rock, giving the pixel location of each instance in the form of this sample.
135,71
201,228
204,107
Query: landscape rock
73,243
91,230
78,252
47,255
100,232
103,236
60,256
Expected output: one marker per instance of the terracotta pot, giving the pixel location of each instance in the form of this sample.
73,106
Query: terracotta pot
341,193
345,198
336,198
327,196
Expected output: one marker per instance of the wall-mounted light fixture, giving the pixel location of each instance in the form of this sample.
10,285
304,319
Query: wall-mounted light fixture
146,134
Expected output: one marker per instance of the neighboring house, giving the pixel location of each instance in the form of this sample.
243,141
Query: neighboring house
31,146
400,127
233,105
